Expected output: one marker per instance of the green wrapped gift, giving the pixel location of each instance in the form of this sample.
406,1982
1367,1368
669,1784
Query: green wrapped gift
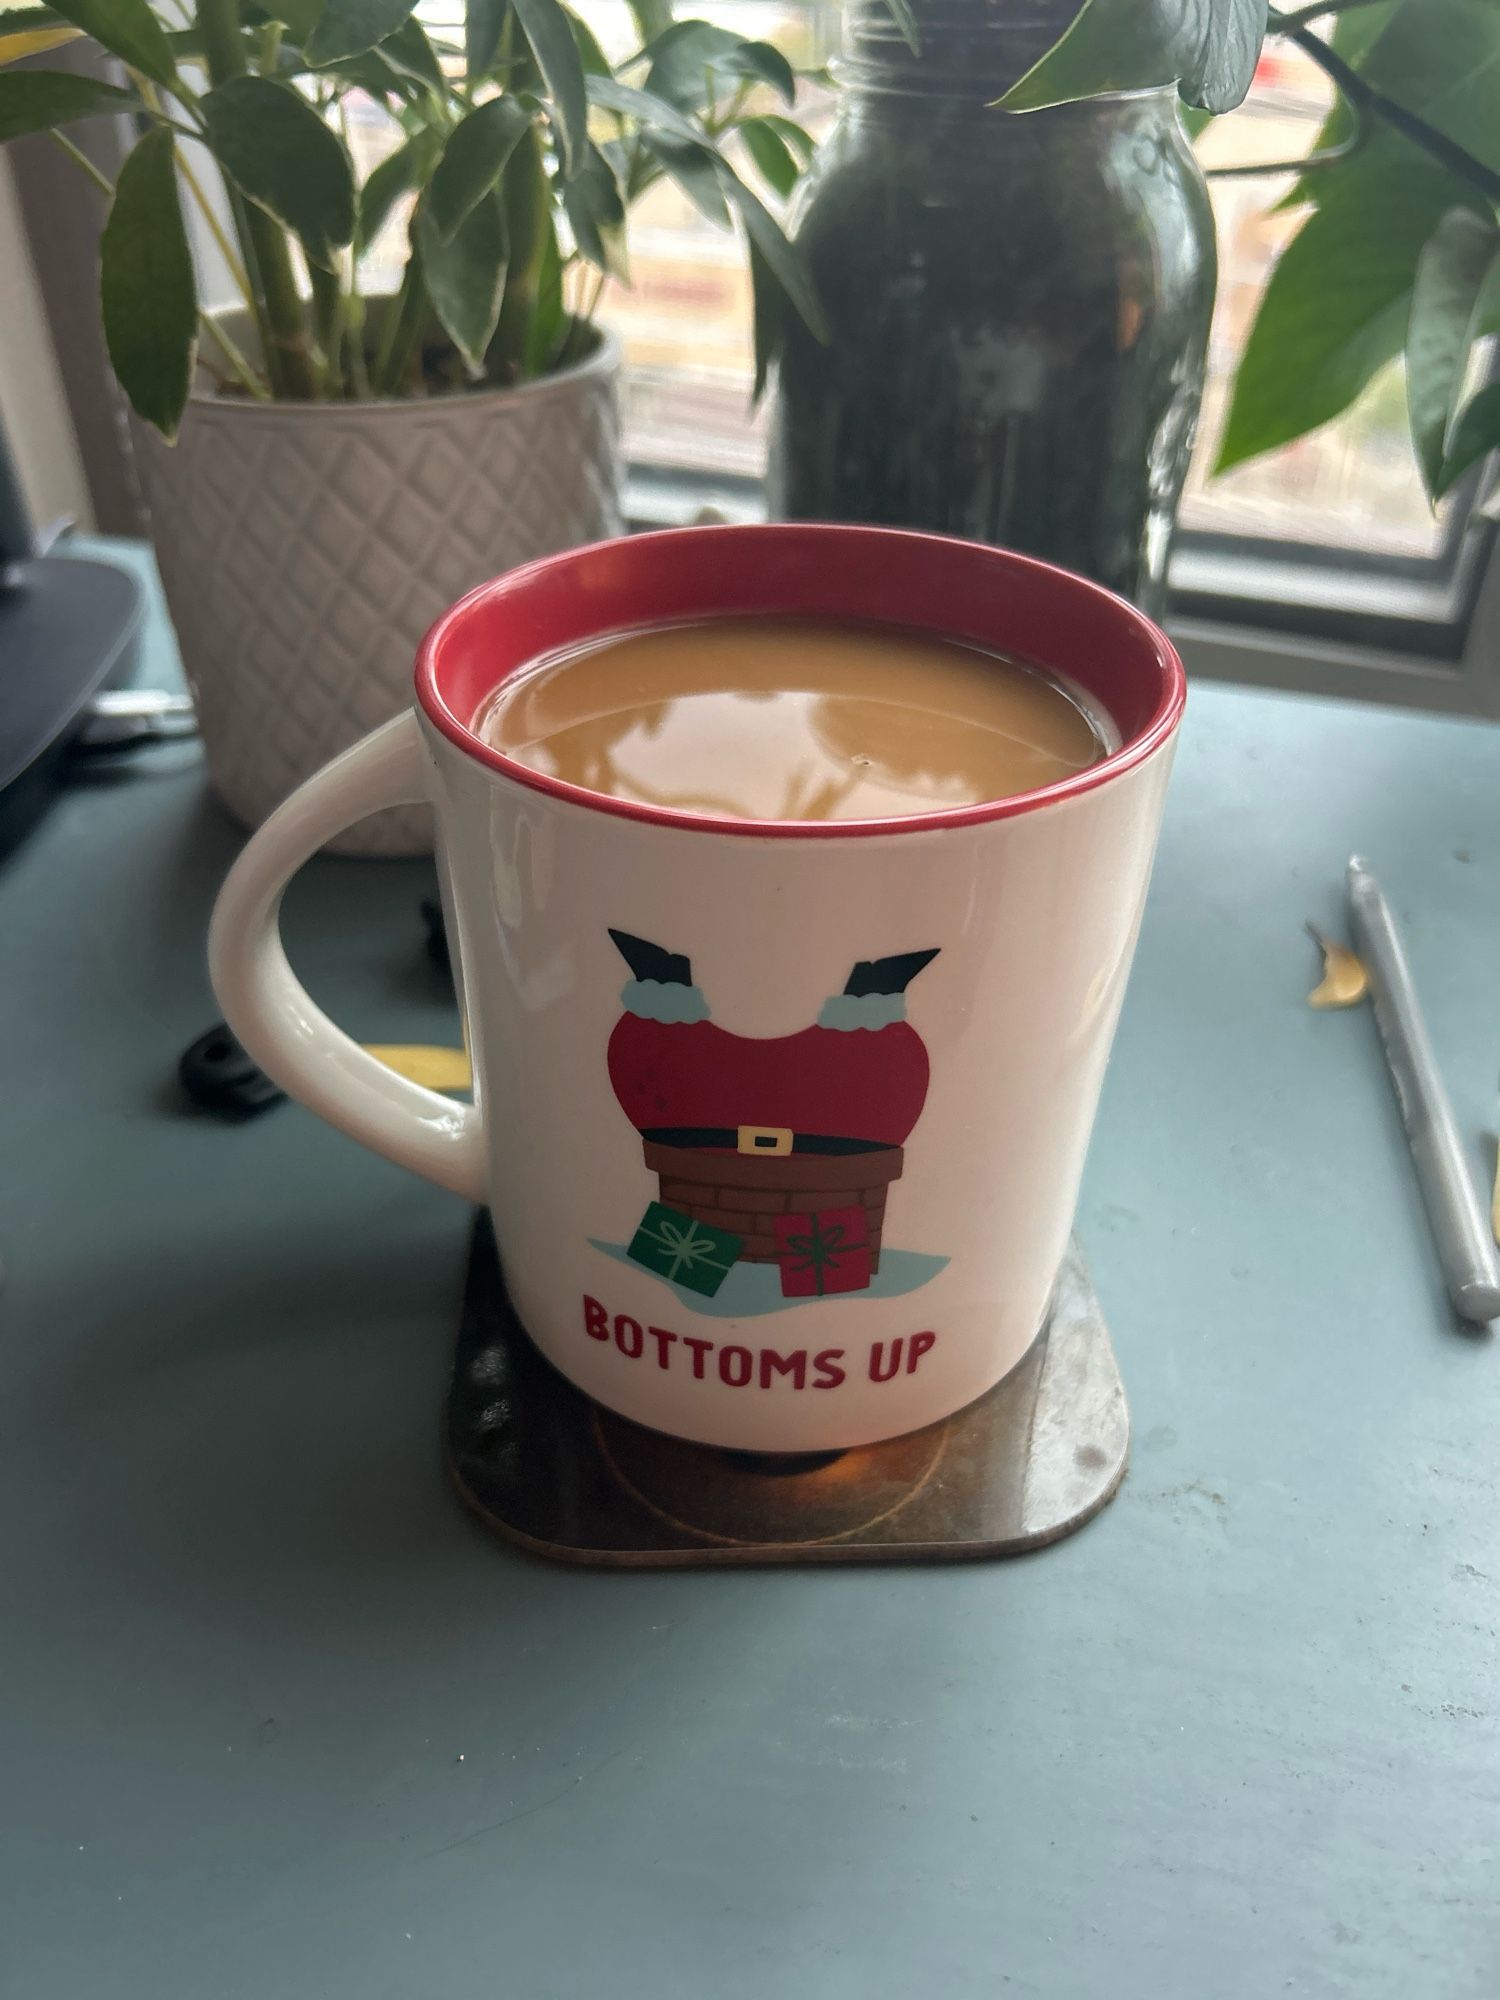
689,1253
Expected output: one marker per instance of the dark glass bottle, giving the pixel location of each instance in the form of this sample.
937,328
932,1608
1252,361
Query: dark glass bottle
1019,305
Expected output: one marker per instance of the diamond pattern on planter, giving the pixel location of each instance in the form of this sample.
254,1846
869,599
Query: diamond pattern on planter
306,548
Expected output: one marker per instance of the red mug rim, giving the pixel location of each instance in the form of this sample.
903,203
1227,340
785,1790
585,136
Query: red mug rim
964,590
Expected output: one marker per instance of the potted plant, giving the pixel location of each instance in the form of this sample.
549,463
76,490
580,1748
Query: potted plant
326,470
1067,414
1398,252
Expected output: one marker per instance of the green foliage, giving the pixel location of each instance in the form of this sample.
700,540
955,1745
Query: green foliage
484,21
1336,308
771,154
474,159
1455,267
464,273
129,30
595,209
693,59
1398,252
39,100
1208,48
400,173
519,156
280,153
546,29
349,27
146,288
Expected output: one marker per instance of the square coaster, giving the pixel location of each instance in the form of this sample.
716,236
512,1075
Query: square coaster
536,1460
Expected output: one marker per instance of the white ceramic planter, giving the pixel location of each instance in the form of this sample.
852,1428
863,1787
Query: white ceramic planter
305,549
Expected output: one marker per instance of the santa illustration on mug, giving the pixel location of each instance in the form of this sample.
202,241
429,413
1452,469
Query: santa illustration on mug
773,1152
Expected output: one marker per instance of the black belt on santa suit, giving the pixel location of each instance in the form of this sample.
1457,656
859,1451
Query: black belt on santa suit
769,1141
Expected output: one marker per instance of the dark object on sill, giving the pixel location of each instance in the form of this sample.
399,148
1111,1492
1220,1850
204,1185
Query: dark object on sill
550,1470
218,1076
1018,305
67,629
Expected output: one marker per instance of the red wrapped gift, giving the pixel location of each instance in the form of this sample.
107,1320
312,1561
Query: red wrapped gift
826,1251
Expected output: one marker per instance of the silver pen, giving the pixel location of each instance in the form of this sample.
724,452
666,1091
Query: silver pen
1460,1227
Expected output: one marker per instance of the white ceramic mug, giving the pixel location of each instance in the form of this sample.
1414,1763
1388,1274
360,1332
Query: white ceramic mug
782,1124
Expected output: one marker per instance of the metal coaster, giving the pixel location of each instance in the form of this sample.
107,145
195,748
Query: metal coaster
1025,1465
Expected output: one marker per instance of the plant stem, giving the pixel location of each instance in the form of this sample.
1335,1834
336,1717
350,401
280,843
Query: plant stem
1437,145
1309,163
527,201
101,181
356,369
223,44
328,324
216,230
403,329
249,380
283,325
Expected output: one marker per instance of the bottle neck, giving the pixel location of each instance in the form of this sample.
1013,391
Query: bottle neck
967,48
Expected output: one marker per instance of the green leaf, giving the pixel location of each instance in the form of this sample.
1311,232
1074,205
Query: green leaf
278,152
474,159
465,275
596,214
771,155
691,57
408,168
1336,307
545,26
1208,48
147,292
780,256
1354,34
696,171
595,61
652,18
483,22
1475,435
129,30
349,27
906,22
1452,271
653,112
1441,59
549,319
411,54
769,321
802,143
37,100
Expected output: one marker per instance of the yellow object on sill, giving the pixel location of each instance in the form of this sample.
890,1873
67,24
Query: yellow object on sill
1345,981
420,1062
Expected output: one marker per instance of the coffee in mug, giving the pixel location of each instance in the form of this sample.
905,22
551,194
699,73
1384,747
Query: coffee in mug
780,1114
793,719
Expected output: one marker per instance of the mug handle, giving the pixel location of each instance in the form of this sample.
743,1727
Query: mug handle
274,1016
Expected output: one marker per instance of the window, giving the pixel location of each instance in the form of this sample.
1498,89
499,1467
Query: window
1318,565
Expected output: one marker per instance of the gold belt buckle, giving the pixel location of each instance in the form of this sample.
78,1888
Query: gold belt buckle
771,1139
